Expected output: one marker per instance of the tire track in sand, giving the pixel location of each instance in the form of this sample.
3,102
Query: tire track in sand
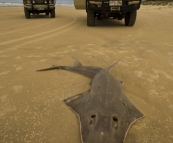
27,23
39,34
23,29
64,28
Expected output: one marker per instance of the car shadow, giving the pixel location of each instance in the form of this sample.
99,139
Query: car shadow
40,16
103,23
109,23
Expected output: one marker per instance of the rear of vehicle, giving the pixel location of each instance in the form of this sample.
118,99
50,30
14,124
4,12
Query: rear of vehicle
104,9
39,6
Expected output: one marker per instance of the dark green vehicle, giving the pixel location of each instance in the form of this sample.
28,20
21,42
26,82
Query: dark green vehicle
39,6
104,9
117,9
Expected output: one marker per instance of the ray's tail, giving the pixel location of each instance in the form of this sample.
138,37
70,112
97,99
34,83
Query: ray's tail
88,71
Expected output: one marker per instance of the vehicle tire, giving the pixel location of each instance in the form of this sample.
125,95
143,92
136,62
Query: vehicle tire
90,18
52,13
130,18
27,13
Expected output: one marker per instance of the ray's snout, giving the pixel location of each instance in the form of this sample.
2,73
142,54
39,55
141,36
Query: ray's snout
100,129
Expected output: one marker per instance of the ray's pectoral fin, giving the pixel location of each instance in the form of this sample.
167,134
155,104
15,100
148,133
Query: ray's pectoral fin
77,102
135,113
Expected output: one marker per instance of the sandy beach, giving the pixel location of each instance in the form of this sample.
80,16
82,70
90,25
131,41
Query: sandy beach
31,103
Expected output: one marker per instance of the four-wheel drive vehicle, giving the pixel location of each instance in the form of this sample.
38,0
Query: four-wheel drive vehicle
103,9
39,6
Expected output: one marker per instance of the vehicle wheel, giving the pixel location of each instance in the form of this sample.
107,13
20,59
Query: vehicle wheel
90,18
53,13
130,18
27,13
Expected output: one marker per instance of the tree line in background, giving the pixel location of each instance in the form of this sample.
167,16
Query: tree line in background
160,0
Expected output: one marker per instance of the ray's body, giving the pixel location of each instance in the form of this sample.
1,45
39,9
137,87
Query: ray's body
105,113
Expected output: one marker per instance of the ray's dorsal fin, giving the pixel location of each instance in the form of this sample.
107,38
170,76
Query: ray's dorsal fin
76,63
106,69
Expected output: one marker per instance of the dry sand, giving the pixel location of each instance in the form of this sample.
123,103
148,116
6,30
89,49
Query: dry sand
31,103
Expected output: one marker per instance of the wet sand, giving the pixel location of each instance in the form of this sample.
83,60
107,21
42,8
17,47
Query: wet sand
31,103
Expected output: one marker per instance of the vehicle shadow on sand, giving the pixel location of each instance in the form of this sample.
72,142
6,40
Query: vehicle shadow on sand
40,16
109,23
103,23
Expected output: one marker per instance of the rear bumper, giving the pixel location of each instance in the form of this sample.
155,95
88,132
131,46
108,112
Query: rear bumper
126,6
39,6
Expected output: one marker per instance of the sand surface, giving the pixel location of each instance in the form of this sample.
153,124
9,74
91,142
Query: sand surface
31,103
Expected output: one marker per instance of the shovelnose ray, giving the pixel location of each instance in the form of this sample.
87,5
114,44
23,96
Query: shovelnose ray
105,113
